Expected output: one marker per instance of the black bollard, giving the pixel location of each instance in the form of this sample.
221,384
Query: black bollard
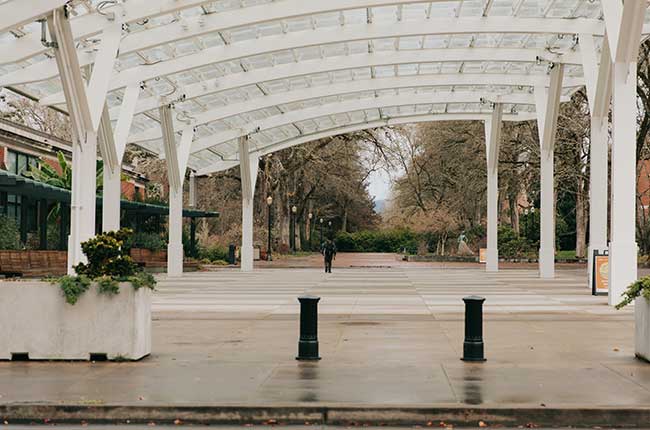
473,345
232,249
308,343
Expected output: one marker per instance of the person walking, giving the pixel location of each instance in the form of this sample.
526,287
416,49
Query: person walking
329,253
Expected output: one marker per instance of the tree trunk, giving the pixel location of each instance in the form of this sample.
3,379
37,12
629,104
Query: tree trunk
514,213
283,219
581,221
344,224
303,236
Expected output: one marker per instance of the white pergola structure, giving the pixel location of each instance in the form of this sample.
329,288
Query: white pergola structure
210,85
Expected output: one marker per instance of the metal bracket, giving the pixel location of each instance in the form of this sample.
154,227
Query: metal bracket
44,40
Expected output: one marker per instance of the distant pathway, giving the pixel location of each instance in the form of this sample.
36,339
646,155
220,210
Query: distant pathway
414,291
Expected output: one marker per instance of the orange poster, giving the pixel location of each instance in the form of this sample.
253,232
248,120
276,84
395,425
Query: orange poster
482,255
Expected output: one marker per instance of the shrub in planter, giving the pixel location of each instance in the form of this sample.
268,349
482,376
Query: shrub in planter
108,265
106,257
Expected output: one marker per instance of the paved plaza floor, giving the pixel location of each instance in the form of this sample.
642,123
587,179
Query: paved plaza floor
388,337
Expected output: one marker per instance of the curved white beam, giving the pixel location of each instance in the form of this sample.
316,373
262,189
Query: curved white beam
16,13
357,86
413,119
345,62
354,106
91,24
138,10
324,36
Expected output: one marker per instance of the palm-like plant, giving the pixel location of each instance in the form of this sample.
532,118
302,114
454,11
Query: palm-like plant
47,174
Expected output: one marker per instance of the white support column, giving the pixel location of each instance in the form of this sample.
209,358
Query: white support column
548,105
83,203
493,142
624,23
175,219
623,247
249,164
103,71
177,157
599,91
192,199
175,247
112,186
111,196
113,146
598,188
84,146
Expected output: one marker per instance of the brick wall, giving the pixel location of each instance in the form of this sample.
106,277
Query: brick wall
129,189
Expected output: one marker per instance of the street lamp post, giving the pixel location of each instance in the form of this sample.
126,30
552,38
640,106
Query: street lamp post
292,232
269,202
532,215
527,228
321,231
309,230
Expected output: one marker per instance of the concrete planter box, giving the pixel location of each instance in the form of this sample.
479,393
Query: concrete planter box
642,328
36,320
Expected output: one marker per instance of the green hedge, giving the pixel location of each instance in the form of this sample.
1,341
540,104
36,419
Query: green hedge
151,241
213,253
513,246
9,234
378,241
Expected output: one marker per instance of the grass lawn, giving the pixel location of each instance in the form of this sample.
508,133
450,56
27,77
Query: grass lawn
566,255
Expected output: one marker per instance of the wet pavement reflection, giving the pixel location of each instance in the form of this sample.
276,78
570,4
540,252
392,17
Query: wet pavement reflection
308,374
472,384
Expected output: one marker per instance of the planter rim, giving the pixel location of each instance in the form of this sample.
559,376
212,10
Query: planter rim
35,283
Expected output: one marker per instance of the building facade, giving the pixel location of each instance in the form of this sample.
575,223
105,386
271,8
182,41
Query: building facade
22,148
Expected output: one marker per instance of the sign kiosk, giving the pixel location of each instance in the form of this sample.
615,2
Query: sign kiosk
600,275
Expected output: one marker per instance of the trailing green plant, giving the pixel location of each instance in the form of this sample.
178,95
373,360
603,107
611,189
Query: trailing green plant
639,288
9,234
108,285
141,280
106,257
73,287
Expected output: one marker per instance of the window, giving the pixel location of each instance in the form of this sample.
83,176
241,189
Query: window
19,163
11,204
11,161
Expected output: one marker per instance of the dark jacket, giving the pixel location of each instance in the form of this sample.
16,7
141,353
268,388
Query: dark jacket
329,250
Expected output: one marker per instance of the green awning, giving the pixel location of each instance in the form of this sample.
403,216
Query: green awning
32,189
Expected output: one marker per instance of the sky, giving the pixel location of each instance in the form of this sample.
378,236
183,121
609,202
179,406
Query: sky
379,185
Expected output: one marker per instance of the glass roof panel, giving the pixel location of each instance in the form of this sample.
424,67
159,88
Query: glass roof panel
293,75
